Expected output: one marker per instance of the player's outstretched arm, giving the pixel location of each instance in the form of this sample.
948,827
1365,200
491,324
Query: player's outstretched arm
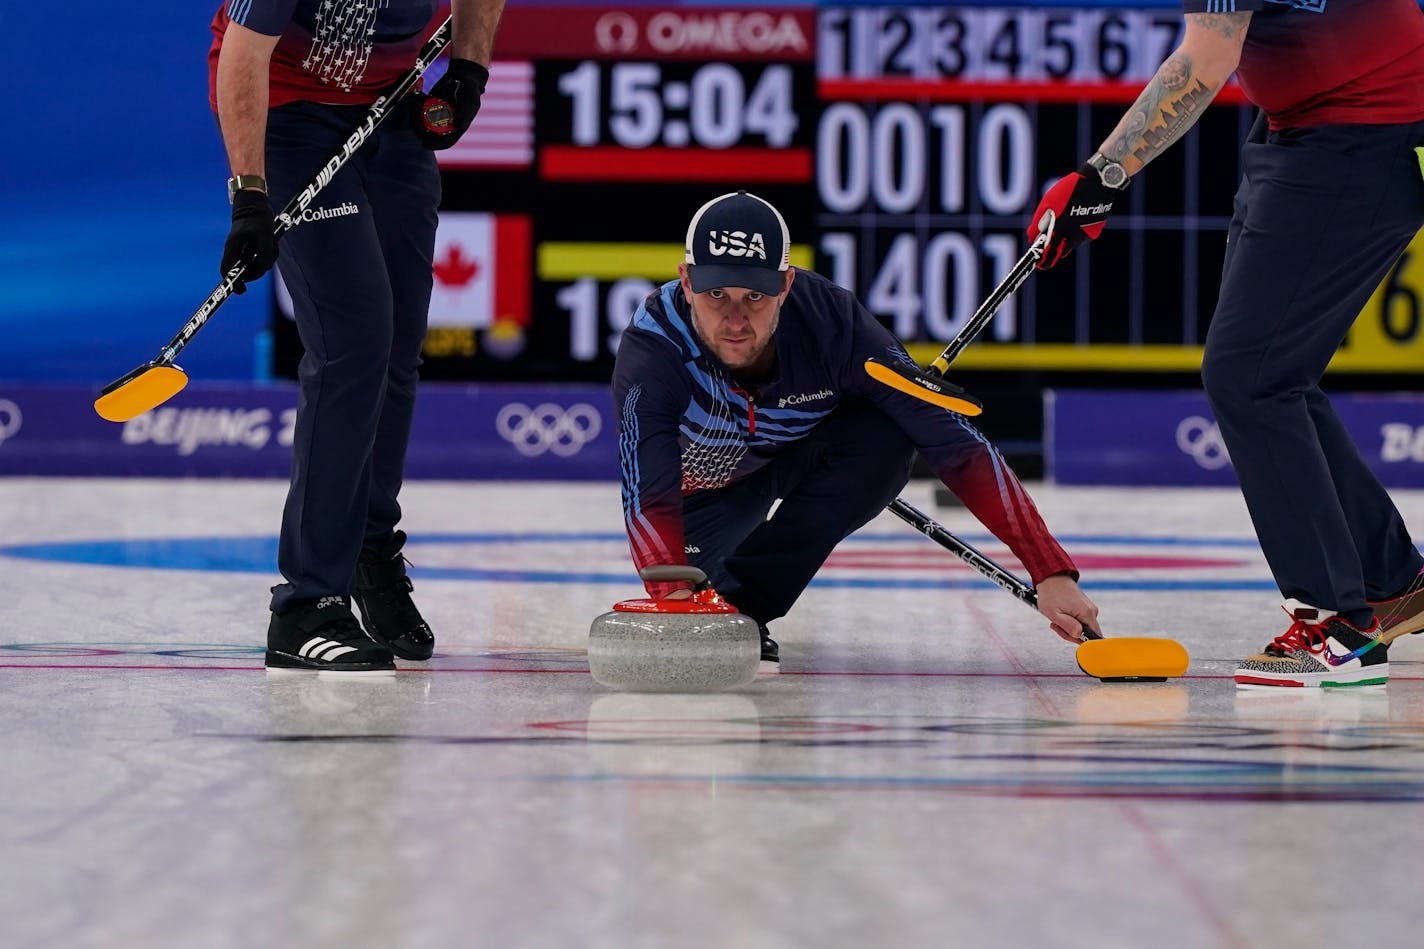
1075,210
1184,85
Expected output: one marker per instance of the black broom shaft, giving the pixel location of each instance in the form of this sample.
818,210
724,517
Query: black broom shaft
966,552
1016,276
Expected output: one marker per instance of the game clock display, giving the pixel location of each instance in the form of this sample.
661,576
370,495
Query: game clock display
709,105
905,145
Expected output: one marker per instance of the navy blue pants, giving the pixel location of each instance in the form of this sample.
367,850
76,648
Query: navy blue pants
833,481
359,268
1321,216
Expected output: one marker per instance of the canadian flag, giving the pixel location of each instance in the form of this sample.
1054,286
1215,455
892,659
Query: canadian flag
482,271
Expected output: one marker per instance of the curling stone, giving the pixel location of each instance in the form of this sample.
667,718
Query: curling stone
697,644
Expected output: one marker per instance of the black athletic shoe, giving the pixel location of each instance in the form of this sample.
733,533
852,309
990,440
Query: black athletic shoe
383,594
323,636
770,652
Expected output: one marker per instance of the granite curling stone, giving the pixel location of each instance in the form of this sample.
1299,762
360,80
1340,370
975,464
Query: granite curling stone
697,644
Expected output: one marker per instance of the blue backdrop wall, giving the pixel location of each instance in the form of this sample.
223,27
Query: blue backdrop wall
113,205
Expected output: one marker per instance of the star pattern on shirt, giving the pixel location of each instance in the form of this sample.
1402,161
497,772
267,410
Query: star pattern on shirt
342,42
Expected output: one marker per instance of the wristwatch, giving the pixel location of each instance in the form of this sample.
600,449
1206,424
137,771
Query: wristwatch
236,184
1110,173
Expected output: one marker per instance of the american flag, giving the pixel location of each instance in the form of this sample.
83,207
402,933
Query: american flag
502,135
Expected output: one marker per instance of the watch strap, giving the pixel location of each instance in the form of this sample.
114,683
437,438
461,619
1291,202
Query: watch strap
240,182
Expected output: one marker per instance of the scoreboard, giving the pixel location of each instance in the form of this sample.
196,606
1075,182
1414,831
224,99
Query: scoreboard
906,146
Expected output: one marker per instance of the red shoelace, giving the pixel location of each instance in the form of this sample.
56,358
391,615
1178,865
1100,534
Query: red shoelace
1301,635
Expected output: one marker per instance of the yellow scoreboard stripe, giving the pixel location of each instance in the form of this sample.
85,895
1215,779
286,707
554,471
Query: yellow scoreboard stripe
1122,358
563,260
1102,357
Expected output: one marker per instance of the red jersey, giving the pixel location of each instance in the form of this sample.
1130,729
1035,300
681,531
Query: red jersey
334,53
1330,62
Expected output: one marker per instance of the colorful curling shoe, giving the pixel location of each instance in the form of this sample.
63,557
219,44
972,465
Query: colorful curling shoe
1318,650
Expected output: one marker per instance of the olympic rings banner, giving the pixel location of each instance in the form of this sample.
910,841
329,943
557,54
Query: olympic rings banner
488,432
1171,438
567,432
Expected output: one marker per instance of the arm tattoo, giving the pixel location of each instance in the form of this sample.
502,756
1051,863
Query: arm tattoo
1169,106
1227,24
1178,93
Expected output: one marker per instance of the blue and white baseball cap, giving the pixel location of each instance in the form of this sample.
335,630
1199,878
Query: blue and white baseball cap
738,240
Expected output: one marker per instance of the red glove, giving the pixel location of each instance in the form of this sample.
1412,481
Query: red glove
1072,213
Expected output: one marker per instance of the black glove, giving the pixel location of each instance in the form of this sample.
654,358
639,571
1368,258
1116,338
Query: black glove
442,117
1080,203
250,238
